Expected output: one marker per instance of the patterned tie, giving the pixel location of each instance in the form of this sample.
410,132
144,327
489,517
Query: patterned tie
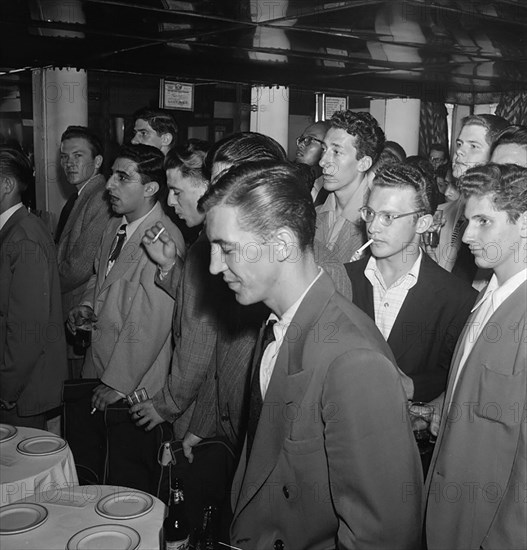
65,214
256,401
117,246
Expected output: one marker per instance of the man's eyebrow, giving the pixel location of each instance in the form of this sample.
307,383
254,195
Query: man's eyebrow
121,173
223,242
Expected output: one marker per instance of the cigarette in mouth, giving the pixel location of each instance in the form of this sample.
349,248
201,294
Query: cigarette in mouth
157,236
363,247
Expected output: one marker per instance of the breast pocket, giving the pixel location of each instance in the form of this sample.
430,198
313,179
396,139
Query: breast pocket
501,397
303,446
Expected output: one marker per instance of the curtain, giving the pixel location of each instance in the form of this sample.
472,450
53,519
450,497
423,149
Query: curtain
513,107
432,126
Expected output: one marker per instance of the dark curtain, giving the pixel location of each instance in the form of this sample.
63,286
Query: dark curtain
432,126
513,107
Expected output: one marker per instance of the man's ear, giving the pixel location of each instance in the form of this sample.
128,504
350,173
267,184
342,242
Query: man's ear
424,223
364,163
151,188
98,161
166,139
523,225
8,183
287,245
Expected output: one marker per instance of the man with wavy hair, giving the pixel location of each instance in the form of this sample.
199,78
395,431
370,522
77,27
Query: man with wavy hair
477,479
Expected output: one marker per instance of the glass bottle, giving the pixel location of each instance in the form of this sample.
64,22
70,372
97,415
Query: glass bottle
208,538
175,525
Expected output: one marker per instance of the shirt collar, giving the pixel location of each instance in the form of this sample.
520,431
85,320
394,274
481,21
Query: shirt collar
132,226
409,279
4,217
499,293
282,324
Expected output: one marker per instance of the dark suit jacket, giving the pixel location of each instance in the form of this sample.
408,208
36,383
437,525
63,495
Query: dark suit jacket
477,479
32,344
428,325
318,476
80,241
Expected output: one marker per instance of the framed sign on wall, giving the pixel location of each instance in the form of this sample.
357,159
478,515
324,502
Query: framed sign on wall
176,95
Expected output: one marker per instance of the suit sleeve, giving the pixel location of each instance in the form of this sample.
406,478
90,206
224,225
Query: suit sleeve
28,315
76,265
374,468
203,421
170,283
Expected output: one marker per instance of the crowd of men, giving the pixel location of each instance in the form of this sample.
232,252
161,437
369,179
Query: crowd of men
274,319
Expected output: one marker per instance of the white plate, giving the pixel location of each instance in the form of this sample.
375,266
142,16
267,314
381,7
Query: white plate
21,517
41,445
109,537
125,505
7,432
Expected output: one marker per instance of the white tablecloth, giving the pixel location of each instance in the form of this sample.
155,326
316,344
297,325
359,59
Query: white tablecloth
73,509
22,475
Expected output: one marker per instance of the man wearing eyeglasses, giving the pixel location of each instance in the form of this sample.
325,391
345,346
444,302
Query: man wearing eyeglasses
309,152
351,146
419,307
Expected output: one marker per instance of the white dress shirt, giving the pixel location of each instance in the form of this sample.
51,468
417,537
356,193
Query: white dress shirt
279,330
387,301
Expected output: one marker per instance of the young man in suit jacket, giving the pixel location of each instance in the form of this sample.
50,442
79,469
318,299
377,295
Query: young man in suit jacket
129,315
478,477
326,400
32,343
82,221
418,306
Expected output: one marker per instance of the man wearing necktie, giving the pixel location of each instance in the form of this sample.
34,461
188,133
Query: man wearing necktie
130,316
332,406
81,223
477,480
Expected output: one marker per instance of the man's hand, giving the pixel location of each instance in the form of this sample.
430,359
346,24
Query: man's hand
103,396
438,404
144,414
161,249
81,317
189,441
7,405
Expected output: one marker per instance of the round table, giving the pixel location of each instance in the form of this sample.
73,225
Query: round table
22,475
72,510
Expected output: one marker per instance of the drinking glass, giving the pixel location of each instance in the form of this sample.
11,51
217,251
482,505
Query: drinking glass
420,417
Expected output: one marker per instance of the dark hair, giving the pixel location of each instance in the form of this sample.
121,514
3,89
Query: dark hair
189,161
506,183
244,147
441,148
515,134
149,161
493,125
396,149
94,142
269,195
15,164
369,138
403,175
160,121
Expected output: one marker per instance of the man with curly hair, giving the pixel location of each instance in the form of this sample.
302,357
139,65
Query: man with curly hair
351,146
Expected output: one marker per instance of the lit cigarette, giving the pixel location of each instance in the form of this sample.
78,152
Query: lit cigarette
363,247
94,410
157,236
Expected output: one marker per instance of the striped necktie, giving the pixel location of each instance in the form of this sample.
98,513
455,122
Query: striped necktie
117,246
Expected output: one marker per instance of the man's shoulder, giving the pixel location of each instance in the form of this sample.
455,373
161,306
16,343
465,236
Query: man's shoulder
433,275
356,269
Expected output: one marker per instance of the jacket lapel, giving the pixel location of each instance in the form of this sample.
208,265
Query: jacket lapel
287,387
131,253
422,293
